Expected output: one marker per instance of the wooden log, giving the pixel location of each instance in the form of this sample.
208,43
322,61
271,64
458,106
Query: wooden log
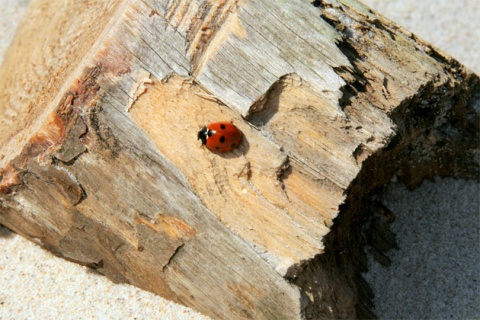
99,161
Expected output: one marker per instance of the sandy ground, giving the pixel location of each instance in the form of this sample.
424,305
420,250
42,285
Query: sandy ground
435,271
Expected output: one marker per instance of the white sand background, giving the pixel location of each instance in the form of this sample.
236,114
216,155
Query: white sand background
435,273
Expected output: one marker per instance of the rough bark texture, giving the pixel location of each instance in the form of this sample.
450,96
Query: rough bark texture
99,161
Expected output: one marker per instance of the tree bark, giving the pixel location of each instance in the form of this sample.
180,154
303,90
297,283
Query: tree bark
100,164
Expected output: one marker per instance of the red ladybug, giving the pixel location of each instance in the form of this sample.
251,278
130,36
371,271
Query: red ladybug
220,136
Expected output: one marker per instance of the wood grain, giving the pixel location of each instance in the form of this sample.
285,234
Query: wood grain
99,160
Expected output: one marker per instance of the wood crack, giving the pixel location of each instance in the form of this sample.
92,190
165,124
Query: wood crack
172,257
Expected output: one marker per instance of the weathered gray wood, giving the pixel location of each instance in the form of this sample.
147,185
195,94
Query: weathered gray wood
99,160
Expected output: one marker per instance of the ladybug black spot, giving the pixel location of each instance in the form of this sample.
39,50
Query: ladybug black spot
232,146
223,127
217,148
222,139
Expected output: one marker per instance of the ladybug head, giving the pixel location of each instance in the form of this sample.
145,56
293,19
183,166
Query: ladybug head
203,134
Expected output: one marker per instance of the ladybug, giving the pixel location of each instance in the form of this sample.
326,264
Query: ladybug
220,136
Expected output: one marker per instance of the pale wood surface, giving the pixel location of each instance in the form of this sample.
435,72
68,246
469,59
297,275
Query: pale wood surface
142,203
